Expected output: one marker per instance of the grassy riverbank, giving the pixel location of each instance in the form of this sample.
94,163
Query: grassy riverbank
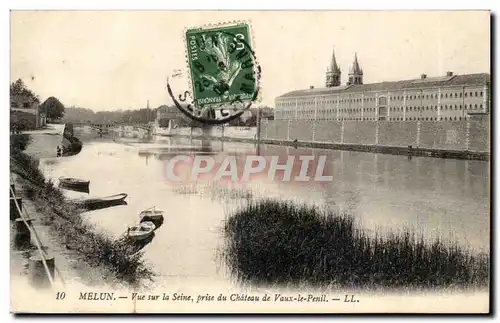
69,228
283,243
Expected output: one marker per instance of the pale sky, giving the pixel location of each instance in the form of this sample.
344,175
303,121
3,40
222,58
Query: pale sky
110,60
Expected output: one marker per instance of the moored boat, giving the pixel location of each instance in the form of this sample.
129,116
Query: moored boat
101,201
152,213
76,182
141,231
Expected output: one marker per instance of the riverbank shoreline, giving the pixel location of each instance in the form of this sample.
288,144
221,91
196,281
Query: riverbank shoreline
67,265
92,257
405,151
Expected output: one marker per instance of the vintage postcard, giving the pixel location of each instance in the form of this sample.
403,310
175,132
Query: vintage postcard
250,161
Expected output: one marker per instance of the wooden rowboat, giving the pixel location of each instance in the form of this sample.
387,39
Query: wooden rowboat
152,213
141,231
102,201
76,182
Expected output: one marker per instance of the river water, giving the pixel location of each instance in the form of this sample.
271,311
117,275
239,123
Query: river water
434,197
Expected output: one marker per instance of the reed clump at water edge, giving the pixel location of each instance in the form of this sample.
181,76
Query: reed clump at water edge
63,217
276,242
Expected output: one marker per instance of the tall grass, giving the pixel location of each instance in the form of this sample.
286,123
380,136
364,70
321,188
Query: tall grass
63,218
281,242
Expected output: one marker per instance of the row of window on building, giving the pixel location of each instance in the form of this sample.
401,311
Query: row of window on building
436,95
456,118
391,109
443,107
383,100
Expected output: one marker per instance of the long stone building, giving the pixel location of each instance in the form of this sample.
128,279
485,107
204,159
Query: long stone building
444,98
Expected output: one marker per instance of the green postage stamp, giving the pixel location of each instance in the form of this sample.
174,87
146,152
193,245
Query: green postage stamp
221,65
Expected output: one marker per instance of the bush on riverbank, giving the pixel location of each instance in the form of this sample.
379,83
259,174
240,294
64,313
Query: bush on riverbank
279,242
64,219
19,141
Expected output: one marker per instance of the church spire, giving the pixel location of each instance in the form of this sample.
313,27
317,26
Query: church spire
355,73
333,72
333,64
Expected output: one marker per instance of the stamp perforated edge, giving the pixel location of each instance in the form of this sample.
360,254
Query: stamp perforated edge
230,23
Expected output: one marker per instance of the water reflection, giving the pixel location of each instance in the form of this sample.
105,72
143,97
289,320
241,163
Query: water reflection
100,206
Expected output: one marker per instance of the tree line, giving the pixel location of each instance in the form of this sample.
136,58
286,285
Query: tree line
84,115
76,114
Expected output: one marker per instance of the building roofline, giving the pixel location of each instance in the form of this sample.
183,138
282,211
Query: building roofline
413,84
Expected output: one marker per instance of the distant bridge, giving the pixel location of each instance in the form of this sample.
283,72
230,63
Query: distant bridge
106,126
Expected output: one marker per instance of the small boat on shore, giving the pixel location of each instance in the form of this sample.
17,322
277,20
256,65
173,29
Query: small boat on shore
141,231
73,182
102,201
152,213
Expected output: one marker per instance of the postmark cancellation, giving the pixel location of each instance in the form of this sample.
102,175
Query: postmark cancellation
221,65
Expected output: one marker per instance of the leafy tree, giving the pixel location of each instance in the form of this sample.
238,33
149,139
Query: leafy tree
53,108
19,88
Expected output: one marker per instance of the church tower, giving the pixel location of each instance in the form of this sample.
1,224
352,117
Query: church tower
355,73
333,73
